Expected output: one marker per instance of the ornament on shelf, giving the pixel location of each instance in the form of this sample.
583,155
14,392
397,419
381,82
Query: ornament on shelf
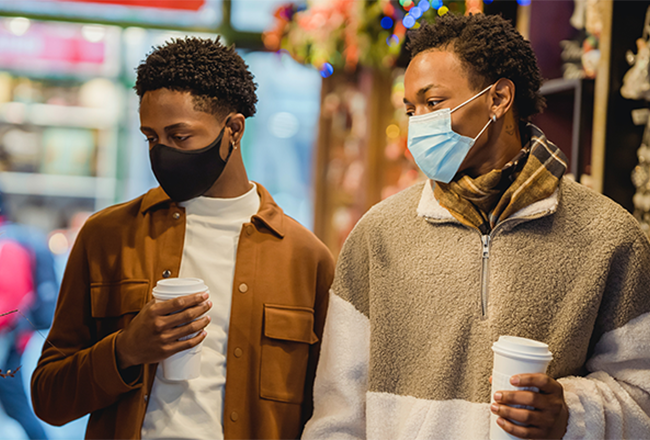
636,85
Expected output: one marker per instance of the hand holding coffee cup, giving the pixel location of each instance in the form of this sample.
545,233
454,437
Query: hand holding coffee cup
157,331
526,403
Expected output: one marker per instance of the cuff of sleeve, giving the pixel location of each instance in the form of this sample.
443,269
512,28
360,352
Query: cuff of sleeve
106,372
576,427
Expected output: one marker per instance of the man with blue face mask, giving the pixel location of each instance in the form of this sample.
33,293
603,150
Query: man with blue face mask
496,242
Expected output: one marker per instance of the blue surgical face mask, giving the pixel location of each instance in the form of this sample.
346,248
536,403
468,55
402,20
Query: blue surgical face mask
437,149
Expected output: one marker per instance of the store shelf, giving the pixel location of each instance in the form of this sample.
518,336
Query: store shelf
55,185
56,115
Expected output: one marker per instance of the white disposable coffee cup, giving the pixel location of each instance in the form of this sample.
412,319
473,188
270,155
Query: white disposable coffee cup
185,364
514,355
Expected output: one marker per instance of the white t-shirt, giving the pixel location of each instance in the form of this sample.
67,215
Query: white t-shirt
193,409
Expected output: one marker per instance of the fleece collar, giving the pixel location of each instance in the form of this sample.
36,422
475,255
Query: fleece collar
429,208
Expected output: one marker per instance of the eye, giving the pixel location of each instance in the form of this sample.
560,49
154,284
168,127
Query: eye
180,138
433,102
150,139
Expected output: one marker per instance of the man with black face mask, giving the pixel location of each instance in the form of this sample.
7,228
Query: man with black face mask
268,278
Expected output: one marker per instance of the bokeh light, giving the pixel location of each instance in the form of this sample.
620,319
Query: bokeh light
443,10
523,2
386,22
392,131
393,40
58,243
436,4
416,12
408,21
327,70
424,5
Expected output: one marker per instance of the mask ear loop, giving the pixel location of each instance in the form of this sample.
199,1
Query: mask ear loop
233,147
472,98
493,118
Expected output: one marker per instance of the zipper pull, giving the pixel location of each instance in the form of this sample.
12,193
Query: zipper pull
486,246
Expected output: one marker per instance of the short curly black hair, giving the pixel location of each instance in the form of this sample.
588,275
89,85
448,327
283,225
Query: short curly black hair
490,48
216,76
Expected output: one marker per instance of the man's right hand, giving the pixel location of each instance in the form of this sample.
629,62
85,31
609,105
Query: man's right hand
154,333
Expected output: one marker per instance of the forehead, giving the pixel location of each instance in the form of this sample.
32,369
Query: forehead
440,68
167,105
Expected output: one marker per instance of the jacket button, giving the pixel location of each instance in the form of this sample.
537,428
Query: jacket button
238,352
167,274
176,215
234,416
243,288
250,229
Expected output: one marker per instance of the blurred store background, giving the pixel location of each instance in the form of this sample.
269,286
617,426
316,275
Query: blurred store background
329,137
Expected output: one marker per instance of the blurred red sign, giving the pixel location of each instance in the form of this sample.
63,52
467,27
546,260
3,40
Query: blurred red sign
51,47
185,5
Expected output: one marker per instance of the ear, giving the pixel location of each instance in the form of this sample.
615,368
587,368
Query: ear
502,97
236,126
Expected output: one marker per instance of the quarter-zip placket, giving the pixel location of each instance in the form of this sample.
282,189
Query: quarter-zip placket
485,272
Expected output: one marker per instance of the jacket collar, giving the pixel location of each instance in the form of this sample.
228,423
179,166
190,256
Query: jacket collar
429,207
270,214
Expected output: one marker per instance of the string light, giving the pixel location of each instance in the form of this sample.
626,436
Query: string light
424,5
393,40
408,21
386,22
327,70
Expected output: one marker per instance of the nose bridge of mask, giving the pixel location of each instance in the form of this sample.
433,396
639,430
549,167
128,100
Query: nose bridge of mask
435,123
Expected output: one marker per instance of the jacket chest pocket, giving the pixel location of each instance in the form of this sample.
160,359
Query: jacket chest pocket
288,336
114,305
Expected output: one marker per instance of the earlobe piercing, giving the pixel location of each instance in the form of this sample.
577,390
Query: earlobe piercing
232,145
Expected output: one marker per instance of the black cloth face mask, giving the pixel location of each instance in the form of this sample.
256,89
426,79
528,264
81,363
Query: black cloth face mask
185,174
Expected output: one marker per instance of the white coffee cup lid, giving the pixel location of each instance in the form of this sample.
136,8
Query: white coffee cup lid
175,286
514,346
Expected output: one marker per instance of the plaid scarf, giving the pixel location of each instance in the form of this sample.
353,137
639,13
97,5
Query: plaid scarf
483,202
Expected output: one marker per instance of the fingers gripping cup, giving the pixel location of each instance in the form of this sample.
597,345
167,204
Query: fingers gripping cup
185,364
514,355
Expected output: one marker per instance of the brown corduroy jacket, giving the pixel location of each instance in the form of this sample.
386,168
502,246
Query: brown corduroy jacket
279,301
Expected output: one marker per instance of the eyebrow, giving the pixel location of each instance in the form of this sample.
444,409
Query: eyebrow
169,127
423,90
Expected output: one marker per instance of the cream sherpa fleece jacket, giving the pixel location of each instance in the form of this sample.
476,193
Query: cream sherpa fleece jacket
406,347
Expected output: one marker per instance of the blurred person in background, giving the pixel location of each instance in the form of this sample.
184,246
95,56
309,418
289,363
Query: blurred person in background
497,242
267,275
28,284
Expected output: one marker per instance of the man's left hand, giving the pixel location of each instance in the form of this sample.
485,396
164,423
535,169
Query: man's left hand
549,418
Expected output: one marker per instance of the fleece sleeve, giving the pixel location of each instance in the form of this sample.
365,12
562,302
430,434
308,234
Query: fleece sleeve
342,374
613,400
77,374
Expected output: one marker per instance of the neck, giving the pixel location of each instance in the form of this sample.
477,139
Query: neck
233,182
504,143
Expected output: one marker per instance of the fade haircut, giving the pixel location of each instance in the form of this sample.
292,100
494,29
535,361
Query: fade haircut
215,75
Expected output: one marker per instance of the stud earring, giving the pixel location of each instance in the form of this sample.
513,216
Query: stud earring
494,118
232,145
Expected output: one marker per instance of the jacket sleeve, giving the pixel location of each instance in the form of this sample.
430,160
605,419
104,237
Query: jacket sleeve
324,276
613,400
342,375
76,373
